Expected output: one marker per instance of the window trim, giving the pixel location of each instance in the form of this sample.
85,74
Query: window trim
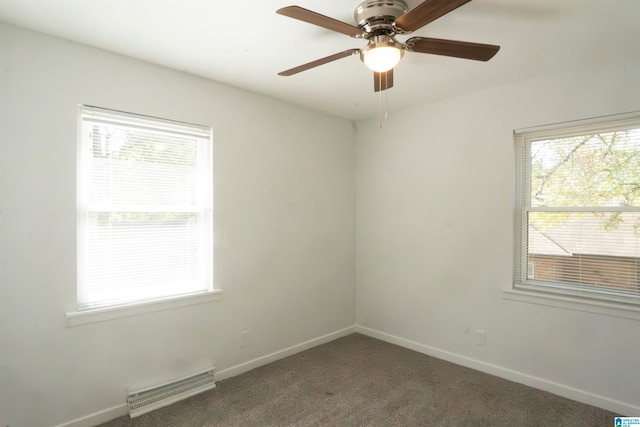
96,314
77,318
534,292
533,295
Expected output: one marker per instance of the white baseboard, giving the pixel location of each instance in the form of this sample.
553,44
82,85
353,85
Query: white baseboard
98,417
620,408
290,351
119,410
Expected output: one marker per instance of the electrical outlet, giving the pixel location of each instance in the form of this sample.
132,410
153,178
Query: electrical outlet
244,338
481,337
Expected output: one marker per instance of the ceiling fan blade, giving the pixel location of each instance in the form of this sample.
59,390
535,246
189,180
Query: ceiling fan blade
318,62
382,81
427,11
302,14
458,49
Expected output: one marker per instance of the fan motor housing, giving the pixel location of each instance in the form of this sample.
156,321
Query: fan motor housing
376,15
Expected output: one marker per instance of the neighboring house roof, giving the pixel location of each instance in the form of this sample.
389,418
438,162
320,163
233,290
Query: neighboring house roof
587,235
541,244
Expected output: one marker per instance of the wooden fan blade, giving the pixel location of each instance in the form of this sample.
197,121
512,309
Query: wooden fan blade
302,14
427,11
320,61
458,49
382,81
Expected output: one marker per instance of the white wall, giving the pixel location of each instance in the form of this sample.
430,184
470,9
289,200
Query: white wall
434,233
284,231
434,192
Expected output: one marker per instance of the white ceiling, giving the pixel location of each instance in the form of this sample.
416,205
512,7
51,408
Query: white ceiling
244,43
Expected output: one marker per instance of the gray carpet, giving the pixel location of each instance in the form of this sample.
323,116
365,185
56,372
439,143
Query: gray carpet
361,381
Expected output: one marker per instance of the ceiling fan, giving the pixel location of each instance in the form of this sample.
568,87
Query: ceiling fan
378,22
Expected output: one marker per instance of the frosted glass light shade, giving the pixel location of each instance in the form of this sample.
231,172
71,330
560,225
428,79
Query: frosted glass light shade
382,58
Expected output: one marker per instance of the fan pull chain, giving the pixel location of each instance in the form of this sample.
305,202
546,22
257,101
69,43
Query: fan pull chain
386,102
380,108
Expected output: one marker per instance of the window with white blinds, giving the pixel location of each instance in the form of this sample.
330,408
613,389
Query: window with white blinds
144,209
577,210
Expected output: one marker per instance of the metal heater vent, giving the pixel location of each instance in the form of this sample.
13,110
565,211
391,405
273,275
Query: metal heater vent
148,399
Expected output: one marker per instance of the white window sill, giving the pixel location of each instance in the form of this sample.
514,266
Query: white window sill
532,295
77,318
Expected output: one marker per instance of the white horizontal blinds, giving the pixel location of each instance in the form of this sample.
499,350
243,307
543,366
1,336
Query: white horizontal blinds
582,208
585,248
145,209
520,259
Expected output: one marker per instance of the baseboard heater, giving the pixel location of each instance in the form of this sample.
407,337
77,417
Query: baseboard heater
148,399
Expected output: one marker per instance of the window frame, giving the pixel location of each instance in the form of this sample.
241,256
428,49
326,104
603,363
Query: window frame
110,311
548,292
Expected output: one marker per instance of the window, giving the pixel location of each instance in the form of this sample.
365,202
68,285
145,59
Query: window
144,209
577,213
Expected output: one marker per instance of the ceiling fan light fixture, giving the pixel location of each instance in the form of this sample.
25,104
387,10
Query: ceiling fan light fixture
382,54
378,22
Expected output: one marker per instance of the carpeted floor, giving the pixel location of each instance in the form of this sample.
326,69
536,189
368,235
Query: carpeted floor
361,381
